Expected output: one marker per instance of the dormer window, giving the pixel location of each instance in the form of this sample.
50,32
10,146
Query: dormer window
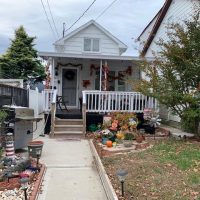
91,45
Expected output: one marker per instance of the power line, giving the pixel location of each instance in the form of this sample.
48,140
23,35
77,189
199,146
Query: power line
52,18
105,9
48,18
81,15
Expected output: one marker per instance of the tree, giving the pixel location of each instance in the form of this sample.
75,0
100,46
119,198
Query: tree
21,60
173,78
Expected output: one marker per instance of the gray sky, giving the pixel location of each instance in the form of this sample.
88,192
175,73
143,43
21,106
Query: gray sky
125,19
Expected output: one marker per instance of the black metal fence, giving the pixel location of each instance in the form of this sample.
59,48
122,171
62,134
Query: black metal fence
13,95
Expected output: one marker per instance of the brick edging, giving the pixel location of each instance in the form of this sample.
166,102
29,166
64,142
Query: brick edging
110,192
37,183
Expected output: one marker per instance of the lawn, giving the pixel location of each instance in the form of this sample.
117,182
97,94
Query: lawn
169,170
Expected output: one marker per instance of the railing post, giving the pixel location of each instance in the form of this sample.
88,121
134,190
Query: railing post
53,109
53,112
84,112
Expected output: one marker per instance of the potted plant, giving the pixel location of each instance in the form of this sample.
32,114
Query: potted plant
128,139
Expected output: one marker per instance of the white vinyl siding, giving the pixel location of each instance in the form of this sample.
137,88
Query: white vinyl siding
75,44
179,11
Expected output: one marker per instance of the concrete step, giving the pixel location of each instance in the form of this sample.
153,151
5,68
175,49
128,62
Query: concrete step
68,127
68,133
68,121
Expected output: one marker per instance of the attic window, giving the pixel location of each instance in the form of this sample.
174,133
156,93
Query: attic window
91,44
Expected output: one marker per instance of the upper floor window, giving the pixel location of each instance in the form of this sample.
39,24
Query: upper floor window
91,45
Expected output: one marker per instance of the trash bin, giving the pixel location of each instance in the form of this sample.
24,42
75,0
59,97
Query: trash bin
34,147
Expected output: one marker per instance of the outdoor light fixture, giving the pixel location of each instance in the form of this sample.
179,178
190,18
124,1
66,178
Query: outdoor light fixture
24,185
38,153
122,175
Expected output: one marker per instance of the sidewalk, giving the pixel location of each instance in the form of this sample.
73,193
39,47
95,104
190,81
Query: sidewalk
71,173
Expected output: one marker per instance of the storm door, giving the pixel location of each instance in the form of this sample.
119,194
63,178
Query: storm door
69,86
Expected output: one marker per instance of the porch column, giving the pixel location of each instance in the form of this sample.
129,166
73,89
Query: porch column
100,85
105,76
53,72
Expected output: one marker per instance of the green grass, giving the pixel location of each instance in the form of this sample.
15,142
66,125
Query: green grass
194,179
182,154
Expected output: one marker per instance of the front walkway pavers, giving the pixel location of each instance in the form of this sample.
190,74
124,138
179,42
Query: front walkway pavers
71,172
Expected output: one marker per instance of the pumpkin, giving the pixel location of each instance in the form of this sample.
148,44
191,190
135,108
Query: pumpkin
109,143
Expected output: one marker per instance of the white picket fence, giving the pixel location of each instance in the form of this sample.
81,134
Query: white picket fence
36,101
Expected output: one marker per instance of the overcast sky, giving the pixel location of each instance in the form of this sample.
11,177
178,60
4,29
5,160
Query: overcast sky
125,19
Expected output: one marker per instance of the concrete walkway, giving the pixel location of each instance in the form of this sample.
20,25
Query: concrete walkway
71,173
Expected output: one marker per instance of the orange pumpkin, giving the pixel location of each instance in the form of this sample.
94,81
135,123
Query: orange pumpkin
109,143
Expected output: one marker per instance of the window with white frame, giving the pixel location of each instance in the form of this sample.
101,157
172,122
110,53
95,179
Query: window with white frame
114,84
91,45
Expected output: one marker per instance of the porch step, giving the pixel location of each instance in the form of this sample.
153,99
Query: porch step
68,127
75,127
68,121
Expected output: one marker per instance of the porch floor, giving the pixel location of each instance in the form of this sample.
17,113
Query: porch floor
70,114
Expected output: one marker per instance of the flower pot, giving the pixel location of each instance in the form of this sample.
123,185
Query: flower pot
127,143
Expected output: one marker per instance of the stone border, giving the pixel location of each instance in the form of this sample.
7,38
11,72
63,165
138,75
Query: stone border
37,184
110,192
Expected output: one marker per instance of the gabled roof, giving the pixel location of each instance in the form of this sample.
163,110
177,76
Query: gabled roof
158,13
91,22
161,16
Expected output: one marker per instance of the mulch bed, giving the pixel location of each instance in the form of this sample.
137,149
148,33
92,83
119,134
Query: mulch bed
34,186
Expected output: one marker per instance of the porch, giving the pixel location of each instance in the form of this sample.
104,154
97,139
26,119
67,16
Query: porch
94,105
71,74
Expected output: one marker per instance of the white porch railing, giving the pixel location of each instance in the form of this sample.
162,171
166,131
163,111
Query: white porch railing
113,101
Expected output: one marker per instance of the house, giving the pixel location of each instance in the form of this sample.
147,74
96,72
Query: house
175,11
88,69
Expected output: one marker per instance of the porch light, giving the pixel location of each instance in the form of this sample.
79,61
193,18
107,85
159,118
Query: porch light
121,176
24,186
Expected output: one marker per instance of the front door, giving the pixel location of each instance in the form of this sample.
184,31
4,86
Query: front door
69,86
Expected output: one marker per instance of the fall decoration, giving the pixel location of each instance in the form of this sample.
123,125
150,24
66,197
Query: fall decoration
92,67
86,83
69,64
109,143
127,71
